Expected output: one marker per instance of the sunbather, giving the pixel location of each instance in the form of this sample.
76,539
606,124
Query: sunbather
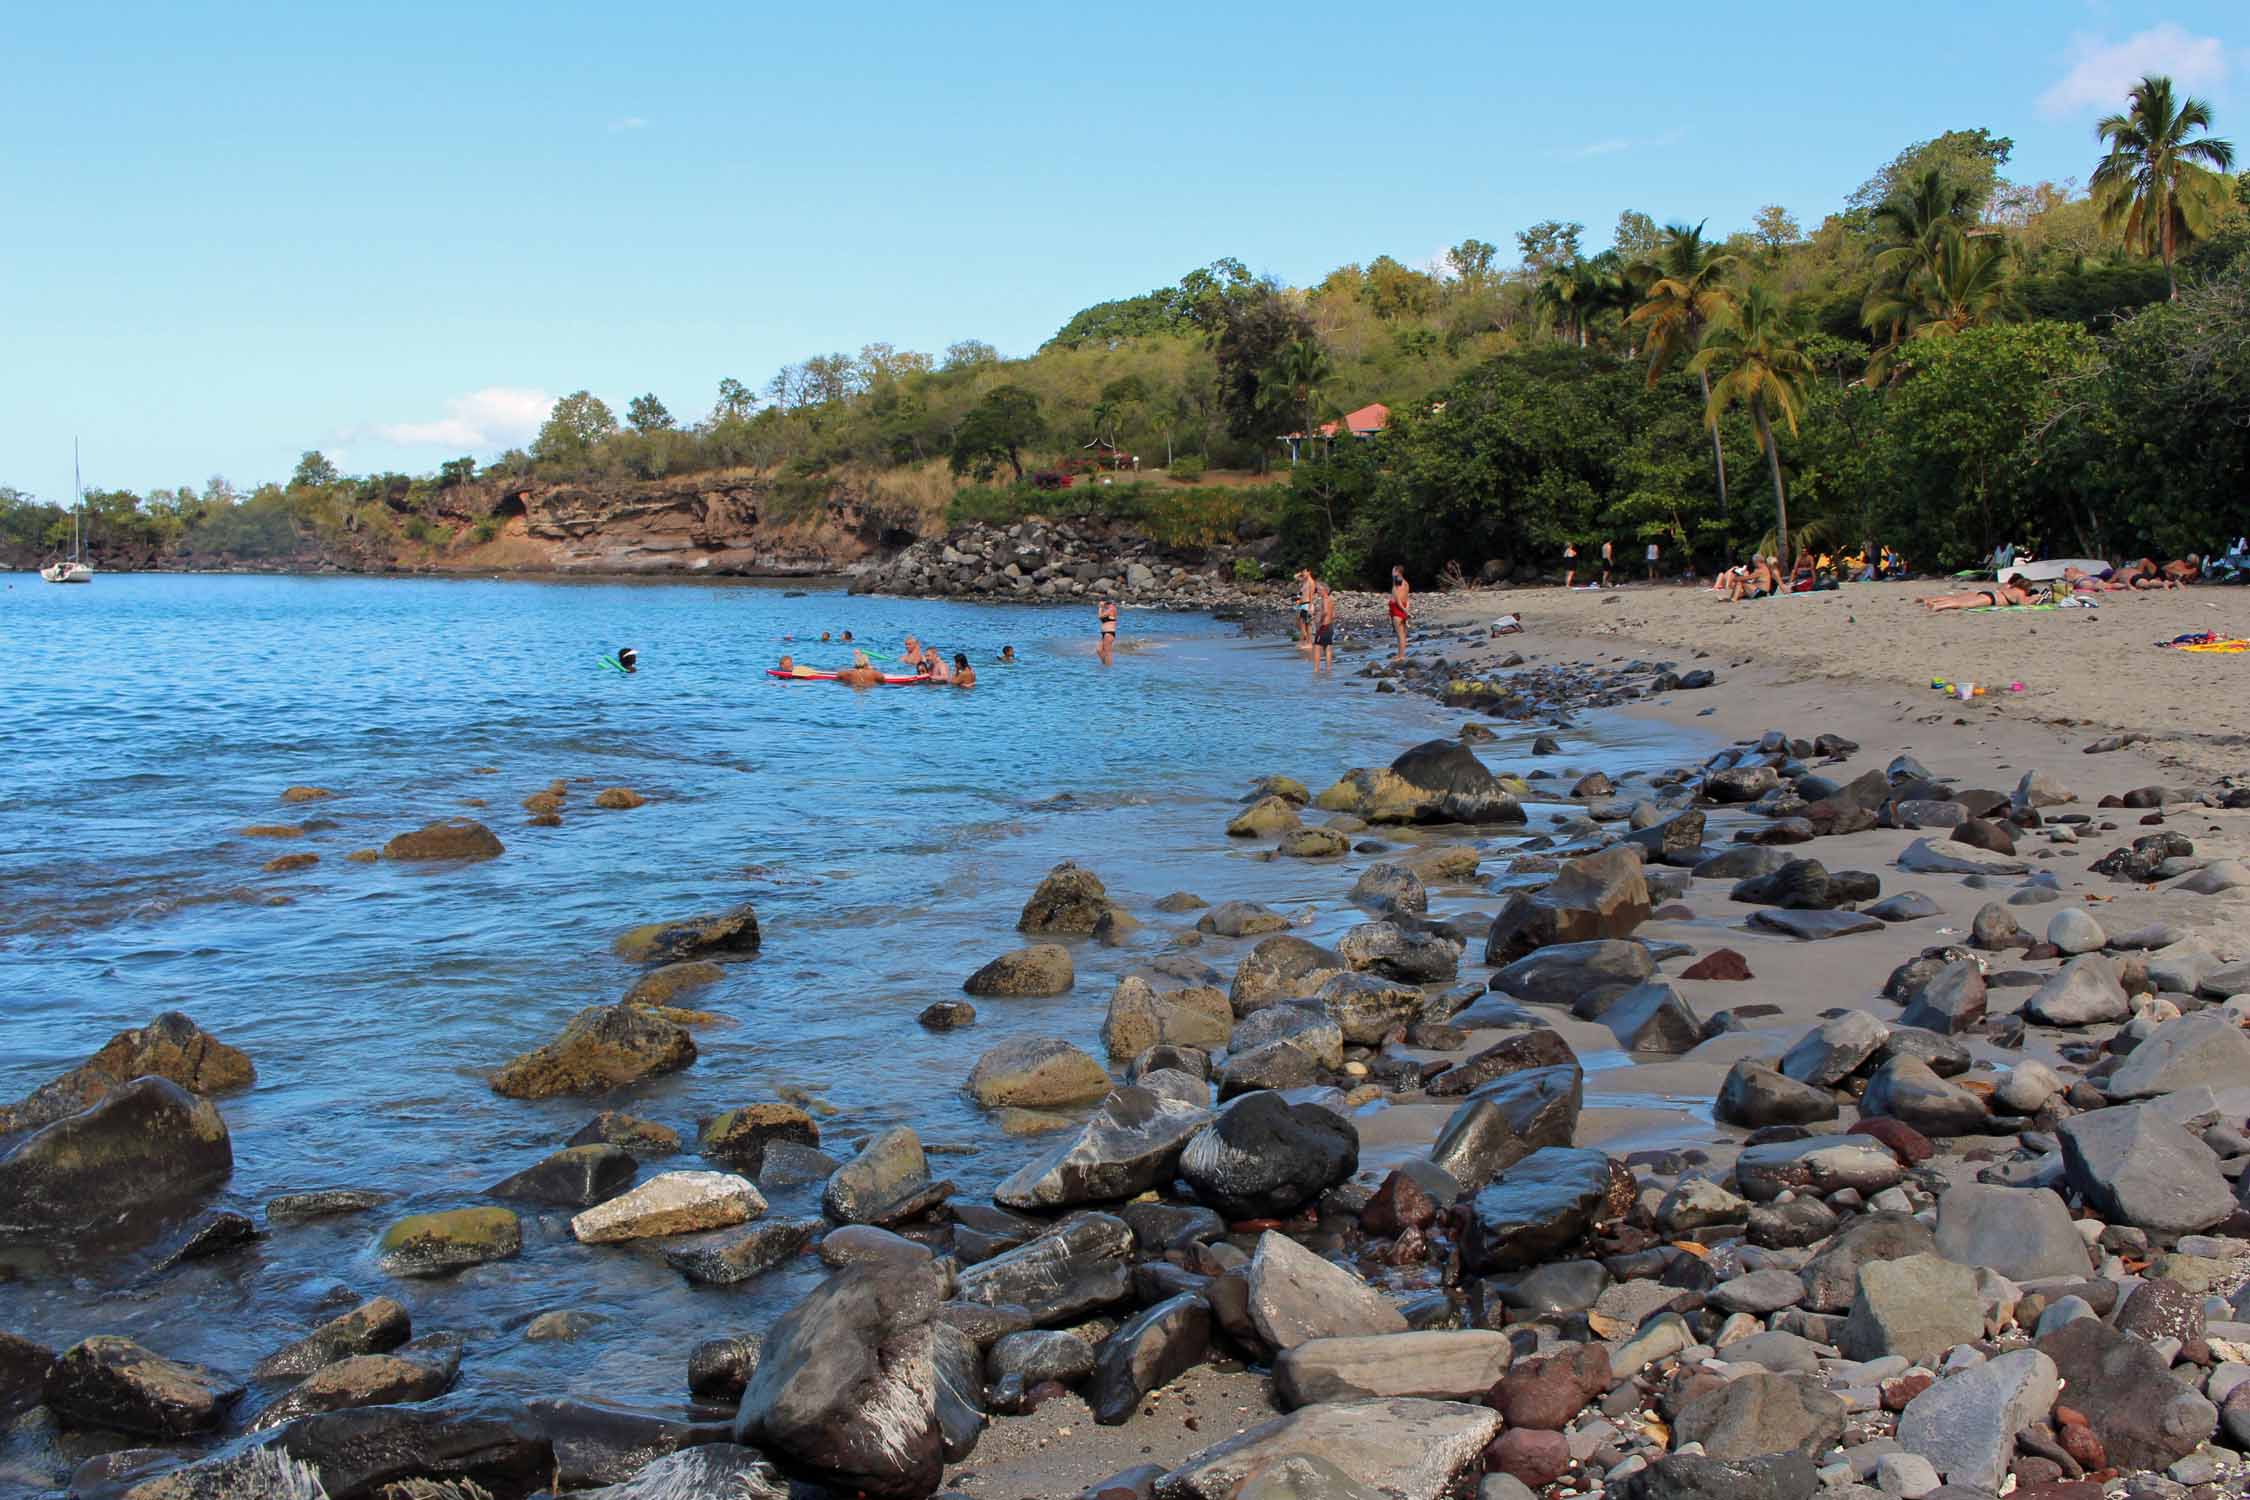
1990,597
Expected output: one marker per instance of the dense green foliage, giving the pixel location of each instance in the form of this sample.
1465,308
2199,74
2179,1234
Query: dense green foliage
1947,361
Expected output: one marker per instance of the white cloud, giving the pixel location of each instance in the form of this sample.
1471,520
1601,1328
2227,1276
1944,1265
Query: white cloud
1615,144
627,122
499,416
2102,72
1600,148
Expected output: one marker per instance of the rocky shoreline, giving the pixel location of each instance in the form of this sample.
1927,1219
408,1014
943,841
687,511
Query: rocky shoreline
1970,1214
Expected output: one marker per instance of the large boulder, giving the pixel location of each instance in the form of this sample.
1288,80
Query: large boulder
1440,1364
1835,1049
1035,1072
2084,992
1141,1017
888,1182
1367,1008
170,1047
1758,1414
1070,901
2025,1234
1081,1265
1966,1424
2133,1166
1580,975
373,1327
574,1177
2205,1050
1396,1447
603,1047
1753,1095
1131,1144
2145,1417
1155,1346
364,1380
1653,1017
1831,1277
1918,1308
1457,786
739,1137
1393,951
1504,1121
115,1385
1951,1000
447,838
452,1239
1265,818
1280,1047
1905,1088
1823,1164
1042,970
671,1203
1540,1206
1264,1157
1281,967
845,1391
139,1150
1677,839
1295,1295
1595,896
732,933
1515,1053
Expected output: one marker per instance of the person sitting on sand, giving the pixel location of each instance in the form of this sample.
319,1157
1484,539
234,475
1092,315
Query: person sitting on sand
2185,571
861,673
1804,575
1990,597
964,675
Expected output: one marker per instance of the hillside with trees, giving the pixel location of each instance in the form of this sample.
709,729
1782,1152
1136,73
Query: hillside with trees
1948,360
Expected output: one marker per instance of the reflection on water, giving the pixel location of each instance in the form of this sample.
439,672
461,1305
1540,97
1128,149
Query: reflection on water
888,839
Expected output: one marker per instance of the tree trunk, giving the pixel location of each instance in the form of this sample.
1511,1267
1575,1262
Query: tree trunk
1718,448
1773,460
2171,281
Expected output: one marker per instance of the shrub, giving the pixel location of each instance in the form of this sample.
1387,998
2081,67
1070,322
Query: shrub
1246,570
1185,470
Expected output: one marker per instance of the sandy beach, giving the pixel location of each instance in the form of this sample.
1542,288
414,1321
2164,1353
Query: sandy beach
1873,652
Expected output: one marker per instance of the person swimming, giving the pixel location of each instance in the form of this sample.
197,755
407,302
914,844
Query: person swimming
628,658
964,675
861,673
1008,655
934,661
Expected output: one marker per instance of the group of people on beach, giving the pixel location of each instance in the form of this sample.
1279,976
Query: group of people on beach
1762,576
1316,615
2142,576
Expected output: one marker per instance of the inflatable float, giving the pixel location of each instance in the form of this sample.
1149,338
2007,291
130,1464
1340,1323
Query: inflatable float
802,675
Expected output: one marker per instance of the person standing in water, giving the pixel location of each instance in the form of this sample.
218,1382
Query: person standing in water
964,675
1105,615
1304,609
1324,626
1402,606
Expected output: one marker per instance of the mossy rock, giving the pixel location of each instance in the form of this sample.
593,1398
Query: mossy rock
1315,843
543,802
619,799
282,864
432,1244
603,1047
739,1137
363,856
1288,788
1264,818
273,831
305,793
727,934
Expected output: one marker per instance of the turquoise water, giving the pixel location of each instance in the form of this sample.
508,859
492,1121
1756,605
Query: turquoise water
888,839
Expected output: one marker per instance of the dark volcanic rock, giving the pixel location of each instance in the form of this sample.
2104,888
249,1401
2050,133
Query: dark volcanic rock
1543,1048
845,1391
729,934
171,1047
2133,1166
574,1177
115,1385
2145,1418
1461,789
603,1047
1131,1143
374,1327
1755,1095
1595,896
144,1147
1083,1264
1576,974
1547,1201
1158,1345
1506,1120
1264,1157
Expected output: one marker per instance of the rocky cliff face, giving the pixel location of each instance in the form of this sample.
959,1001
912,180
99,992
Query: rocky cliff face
1043,561
749,526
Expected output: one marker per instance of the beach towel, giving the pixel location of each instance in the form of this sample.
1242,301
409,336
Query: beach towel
2009,609
2206,640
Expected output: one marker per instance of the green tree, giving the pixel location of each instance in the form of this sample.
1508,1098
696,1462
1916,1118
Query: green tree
997,428
2160,183
455,472
1298,372
1251,332
1637,238
1774,230
1909,227
1969,160
1689,294
578,421
1967,283
313,471
1470,263
735,402
969,353
1547,244
1758,352
647,414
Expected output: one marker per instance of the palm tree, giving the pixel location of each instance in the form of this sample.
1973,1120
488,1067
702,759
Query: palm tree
1759,353
1299,369
2156,183
1909,228
1689,293
1965,285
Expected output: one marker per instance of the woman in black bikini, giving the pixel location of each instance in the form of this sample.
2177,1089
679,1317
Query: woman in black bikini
1106,615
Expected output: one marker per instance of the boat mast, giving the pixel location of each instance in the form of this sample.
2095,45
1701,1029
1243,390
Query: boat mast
77,500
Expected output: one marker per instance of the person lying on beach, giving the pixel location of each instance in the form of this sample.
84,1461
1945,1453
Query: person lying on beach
1985,598
2186,570
964,675
2144,574
2084,582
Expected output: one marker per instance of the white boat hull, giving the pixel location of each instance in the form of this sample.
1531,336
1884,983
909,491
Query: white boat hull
68,572
2051,570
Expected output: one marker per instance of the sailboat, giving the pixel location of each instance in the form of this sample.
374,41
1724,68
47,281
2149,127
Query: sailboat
75,568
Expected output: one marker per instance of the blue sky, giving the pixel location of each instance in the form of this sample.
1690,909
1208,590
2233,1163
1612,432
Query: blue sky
237,231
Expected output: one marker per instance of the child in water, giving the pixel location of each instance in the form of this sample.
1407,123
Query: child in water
628,658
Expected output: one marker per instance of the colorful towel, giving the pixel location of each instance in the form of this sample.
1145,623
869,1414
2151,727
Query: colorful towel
2206,640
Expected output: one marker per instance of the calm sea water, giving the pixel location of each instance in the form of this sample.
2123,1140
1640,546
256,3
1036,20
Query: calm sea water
888,839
